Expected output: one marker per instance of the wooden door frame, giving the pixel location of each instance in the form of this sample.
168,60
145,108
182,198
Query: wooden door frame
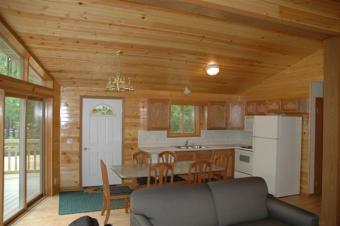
82,97
317,99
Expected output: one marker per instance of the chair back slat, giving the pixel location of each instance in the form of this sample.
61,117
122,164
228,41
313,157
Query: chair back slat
223,160
141,158
199,172
161,172
166,157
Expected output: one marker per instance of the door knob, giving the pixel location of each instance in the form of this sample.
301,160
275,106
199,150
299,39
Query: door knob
85,149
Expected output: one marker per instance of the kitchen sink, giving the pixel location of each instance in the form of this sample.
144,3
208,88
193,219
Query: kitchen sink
191,147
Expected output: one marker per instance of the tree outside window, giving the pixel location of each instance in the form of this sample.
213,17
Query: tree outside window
10,61
184,120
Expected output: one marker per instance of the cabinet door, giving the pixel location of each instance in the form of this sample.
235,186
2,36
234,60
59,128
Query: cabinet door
158,115
216,115
290,106
273,106
261,108
251,108
235,115
256,108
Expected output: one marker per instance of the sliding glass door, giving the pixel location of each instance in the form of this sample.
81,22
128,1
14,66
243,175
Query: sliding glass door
34,146
14,156
23,149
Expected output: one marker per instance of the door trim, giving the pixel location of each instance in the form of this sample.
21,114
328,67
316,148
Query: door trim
82,97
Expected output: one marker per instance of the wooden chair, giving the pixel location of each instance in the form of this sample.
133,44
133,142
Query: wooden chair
224,160
199,172
141,158
112,194
162,173
166,157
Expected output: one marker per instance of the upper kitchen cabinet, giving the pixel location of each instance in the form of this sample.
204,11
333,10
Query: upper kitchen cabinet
158,114
296,105
235,115
290,105
273,106
256,108
216,115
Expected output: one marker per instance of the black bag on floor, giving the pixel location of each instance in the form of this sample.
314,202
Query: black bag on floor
85,221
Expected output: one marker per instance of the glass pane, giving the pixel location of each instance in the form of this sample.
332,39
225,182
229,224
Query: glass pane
34,121
189,118
34,77
102,109
11,62
14,148
175,118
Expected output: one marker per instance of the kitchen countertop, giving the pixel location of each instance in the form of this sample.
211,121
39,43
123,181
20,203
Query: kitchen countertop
157,150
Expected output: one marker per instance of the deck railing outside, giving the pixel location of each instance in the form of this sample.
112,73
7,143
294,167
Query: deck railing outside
12,157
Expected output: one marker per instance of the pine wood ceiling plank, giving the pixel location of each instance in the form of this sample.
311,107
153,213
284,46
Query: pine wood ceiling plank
115,13
85,30
272,10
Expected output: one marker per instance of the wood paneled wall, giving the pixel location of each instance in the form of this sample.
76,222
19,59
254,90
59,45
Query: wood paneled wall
135,114
290,83
330,214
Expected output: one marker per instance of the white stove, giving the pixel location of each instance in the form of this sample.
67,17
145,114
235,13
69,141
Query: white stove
243,161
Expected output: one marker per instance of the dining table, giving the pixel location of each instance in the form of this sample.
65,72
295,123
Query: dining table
133,171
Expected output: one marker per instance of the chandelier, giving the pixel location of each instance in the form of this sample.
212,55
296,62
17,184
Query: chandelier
119,83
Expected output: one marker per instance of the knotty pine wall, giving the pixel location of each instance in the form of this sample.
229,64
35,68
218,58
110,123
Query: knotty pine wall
290,83
135,103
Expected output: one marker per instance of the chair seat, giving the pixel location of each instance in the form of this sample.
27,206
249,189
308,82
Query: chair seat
120,190
265,222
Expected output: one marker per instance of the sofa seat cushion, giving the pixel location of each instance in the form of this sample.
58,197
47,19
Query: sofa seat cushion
177,205
266,222
240,200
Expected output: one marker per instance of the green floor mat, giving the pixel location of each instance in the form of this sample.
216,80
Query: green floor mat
80,202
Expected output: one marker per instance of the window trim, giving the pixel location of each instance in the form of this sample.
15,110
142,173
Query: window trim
197,131
27,57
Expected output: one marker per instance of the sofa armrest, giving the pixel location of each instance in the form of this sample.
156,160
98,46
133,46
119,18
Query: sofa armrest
139,220
290,214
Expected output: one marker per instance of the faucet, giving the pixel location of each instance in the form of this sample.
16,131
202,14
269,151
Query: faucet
186,143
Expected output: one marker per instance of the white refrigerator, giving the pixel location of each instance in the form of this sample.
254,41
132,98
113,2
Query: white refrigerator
277,153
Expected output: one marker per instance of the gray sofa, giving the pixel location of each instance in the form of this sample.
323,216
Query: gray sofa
239,202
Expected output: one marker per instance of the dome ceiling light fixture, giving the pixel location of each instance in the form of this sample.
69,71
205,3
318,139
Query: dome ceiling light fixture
212,69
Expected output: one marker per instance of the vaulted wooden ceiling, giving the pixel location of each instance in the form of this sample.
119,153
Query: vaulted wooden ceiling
167,44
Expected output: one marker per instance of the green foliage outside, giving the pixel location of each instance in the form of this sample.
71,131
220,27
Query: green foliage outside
13,107
9,67
182,119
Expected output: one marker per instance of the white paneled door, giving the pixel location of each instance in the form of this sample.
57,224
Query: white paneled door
101,139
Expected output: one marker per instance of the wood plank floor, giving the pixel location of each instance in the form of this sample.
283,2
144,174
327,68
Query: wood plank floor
46,212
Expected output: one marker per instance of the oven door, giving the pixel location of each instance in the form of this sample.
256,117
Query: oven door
243,161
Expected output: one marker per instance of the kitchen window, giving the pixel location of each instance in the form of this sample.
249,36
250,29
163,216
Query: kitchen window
184,121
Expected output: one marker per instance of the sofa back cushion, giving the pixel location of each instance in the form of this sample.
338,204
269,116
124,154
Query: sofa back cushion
240,200
178,205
